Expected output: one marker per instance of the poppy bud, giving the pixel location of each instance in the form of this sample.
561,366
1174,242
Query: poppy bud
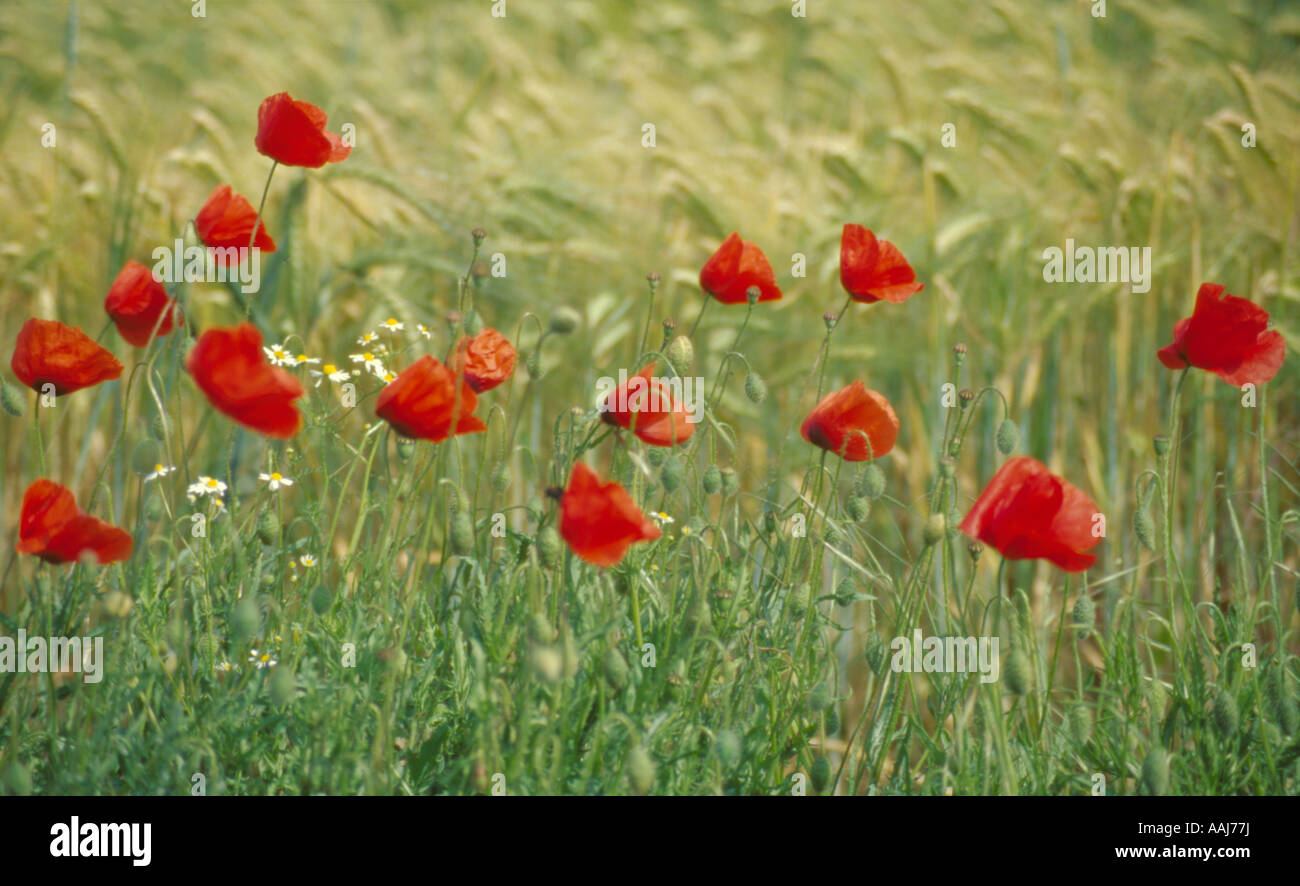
18,780
680,353
571,656
540,629
462,533
871,482
1018,672
1160,443
1144,527
1084,615
959,353
153,508
831,534
712,480
321,600
1155,772
729,746
877,653
157,428
1007,437
1226,715
640,770
671,474
118,604
282,688
534,364
268,527
144,457
473,323
845,591
974,549
730,481
245,618
615,667
501,477
405,448
564,320
755,388
548,547
12,399
479,236
934,529
1080,720
819,699
669,326
821,773
858,507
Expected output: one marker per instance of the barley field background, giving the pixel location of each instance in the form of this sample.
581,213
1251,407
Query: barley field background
494,666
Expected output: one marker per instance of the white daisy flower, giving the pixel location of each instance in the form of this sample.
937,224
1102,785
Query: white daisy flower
392,325
225,667
263,659
367,338
424,330
275,481
279,356
387,376
159,471
371,362
307,560
661,518
330,371
205,486
303,358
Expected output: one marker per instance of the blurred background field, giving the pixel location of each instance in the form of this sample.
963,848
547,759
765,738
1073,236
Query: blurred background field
1124,130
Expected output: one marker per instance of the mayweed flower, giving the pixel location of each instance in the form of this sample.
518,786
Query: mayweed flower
661,518
293,133
224,667
228,365
599,520
1226,335
51,527
263,659
303,358
846,420
331,372
872,270
734,268
136,302
159,471
226,222
367,338
307,561
279,356
205,486
372,362
275,481
1029,513
392,325
49,353
423,330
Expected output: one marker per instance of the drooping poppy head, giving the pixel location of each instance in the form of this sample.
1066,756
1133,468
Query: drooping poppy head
872,270
48,352
1029,513
226,222
422,402
854,423
488,360
1226,335
136,301
736,266
52,528
229,366
645,406
599,520
293,133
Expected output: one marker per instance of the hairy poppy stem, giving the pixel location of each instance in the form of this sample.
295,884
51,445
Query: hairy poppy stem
698,318
257,223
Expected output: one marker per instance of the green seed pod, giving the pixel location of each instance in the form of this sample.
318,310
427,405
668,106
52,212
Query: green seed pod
282,685
1084,615
871,482
832,720
12,399
819,699
935,527
1160,443
1155,772
501,477
18,780
821,773
321,599
640,770
615,667
846,591
473,323
858,508
145,457
1080,723
548,547
729,747
656,455
533,364
831,534
245,618
1018,672
1226,715
680,353
268,527
712,480
405,449
730,481
877,654
462,533
1144,527
1007,437
671,474
755,388
564,321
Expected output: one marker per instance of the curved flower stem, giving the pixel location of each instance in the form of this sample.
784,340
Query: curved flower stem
699,317
257,223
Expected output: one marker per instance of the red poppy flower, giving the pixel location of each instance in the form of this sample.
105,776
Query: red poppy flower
293,133
872,270
1226,335
736,266
229,367
1029,513
645,406
48,352
226,222
599,520
421,401
135,302
490,360
845,420
53,529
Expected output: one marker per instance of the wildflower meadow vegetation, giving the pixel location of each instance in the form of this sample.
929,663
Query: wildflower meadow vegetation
596,398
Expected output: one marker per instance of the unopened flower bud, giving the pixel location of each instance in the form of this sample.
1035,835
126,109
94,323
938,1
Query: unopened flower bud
479,236
548,547
681,354
712,480
871,482
462,533
755,388
730,481
1007,437
974,550
959,352
473,323
11,397
564,321
1084,615
934,529
1160,443
965,397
